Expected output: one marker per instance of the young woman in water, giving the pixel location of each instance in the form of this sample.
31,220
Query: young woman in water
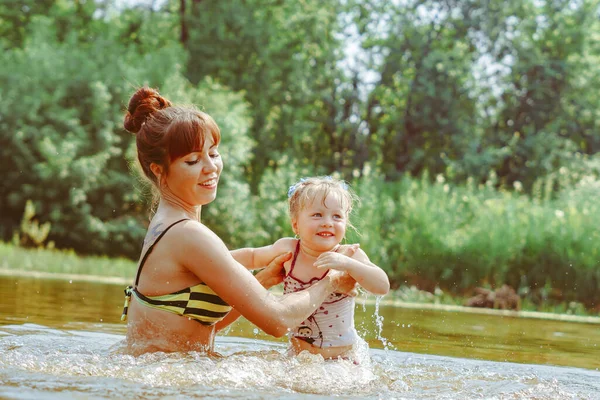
188,285
319,210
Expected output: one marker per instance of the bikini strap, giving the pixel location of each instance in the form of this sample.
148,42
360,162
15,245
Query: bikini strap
137,278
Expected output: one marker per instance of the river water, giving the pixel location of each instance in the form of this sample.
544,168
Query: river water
62,339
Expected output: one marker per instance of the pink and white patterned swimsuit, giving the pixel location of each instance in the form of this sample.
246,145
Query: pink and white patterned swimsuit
332,324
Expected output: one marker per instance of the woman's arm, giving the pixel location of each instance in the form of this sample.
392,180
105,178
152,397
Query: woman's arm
255,258
270,276
367,274
205,254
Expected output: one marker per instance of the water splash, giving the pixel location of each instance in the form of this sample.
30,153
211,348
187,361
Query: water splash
53,363
379,324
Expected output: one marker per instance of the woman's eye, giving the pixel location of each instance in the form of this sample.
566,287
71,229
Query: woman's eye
191,162
215,155
337,216
318,215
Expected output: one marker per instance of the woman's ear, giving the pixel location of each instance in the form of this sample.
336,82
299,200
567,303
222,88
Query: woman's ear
295,225
157,170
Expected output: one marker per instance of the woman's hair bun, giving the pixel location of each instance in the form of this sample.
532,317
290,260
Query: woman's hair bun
144,102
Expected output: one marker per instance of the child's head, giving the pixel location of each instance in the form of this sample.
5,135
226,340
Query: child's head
327,193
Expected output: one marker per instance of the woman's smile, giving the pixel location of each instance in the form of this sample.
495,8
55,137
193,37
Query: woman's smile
209,184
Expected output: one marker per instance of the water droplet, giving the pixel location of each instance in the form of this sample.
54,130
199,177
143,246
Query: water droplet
70,281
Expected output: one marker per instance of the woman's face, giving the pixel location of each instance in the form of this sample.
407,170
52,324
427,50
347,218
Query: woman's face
193,178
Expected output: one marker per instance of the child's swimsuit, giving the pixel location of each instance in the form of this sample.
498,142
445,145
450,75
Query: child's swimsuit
198,302
332,324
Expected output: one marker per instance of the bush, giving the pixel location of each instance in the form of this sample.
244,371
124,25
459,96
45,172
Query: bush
465,236
61,136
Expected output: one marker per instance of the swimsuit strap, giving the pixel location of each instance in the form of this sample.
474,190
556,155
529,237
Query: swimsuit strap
295,257
137,278
297,251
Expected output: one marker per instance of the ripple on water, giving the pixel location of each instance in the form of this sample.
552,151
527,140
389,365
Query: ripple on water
39,362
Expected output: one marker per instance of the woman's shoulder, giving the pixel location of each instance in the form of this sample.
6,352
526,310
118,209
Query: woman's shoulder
195,231
182,232
191,241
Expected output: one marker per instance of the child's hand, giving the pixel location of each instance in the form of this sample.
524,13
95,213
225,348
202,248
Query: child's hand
347,249
333,260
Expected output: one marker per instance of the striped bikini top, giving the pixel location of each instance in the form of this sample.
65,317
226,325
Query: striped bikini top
198,302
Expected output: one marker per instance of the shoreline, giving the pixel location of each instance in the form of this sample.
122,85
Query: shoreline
369,300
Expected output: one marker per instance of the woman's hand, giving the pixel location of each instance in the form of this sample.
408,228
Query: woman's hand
273,273
342,282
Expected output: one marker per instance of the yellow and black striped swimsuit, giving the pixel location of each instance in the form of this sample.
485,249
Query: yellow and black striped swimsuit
198,302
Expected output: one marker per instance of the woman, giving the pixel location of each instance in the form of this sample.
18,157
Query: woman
188,283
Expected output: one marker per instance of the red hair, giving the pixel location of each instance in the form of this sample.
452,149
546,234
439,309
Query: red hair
165,132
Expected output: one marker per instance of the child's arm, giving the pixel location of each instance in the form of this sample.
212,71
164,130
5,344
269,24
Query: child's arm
255,258
368,275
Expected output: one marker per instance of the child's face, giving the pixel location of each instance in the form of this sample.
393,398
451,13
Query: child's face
321,225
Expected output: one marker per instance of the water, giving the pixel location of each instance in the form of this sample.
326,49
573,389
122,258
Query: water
62,340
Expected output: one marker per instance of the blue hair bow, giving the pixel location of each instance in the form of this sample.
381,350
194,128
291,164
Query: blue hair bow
293,188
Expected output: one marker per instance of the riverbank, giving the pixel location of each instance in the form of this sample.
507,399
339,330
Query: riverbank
43,263
390,300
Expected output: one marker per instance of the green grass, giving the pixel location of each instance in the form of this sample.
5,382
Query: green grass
63,262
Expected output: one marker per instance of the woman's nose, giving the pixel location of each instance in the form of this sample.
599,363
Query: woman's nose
209,166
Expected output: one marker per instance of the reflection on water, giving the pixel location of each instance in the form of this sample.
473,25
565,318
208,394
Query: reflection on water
61,339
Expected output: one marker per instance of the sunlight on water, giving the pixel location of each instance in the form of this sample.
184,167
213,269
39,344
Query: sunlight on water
40,362
61,339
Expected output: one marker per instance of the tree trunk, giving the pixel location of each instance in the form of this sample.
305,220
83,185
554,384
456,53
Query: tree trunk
184,30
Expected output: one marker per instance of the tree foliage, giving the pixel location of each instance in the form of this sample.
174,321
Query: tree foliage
61,137
500,93
284,57
470,87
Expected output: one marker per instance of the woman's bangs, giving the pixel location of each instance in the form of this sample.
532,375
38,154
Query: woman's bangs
189,135
185,137
212,129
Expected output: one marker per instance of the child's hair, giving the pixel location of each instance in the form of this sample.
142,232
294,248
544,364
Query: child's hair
303,192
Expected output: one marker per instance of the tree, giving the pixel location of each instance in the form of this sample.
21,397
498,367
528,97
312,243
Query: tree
467,87
283,56
61,137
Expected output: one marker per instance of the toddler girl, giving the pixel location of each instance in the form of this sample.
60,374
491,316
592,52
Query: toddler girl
319,211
